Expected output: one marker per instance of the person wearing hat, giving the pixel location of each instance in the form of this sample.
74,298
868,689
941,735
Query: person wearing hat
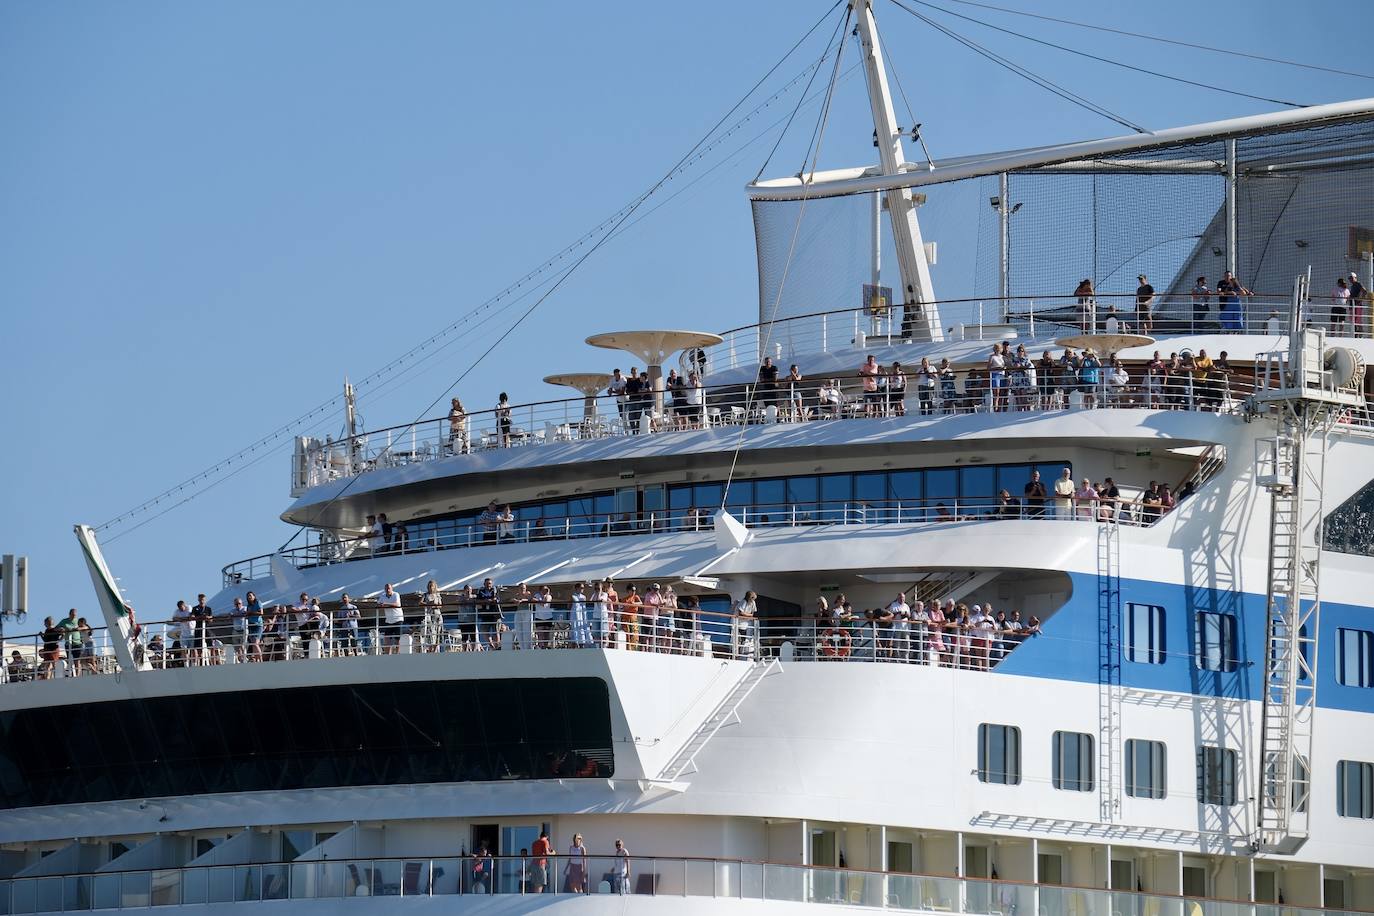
1144,299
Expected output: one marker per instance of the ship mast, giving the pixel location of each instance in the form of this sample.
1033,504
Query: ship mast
918,294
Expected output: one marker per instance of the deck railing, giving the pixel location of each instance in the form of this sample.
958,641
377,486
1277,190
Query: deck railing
492,531
810,400
455,876
513,622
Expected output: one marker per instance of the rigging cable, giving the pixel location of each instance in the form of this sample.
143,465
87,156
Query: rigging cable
272,439
1104,60
1021,71
814,153
1168,41
668,176
399,376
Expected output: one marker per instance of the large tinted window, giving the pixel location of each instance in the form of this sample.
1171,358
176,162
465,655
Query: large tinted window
310,737
1350,527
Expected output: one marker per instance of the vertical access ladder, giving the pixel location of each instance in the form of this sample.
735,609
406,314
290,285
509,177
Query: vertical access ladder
1109,670
1305,389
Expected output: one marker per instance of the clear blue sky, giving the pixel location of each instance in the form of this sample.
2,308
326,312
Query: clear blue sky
212,212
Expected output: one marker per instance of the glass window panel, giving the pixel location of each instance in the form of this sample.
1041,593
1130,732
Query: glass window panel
837,487
905,485
1216,776
1145,633
1354,658
741,494
999,754
1073,763
707,495
770,493
871,486
1214,642
942,485
1145,769
1355,789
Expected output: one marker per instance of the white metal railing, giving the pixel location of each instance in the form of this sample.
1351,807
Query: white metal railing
456,876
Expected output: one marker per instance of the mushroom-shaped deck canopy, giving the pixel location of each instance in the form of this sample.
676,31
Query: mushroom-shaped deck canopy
589,383
654,347
1104,343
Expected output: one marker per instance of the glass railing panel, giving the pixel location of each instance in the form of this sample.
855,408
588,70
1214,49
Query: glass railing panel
699,879
166,887
246,885
785,882
333,879
76,893
275,881
941,895
136,889
444,875
386,878
195,885
304,880
6,898
220,885
751,880
24,896
106,890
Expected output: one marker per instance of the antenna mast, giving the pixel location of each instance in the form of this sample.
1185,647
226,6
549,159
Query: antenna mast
921,315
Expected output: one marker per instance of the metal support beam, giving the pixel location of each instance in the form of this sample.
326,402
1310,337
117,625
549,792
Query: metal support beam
917,290
1004,238
1231,206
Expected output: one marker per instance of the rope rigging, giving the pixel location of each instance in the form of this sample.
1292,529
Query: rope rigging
508,297
1100,59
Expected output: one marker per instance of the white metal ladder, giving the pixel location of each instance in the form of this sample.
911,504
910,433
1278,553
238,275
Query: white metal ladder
1109,670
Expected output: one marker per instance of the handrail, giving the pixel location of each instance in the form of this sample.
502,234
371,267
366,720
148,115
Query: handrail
477,533
568,874
754,403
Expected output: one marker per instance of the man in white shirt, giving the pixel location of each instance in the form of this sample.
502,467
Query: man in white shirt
489,520
831,400
920,618
616,389
1063,494
186,634
543,618
346,625
390,602
901,627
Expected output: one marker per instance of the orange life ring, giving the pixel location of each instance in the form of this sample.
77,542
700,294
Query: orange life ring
835,643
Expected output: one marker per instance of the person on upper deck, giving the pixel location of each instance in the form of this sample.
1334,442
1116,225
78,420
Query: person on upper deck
767,393
503,422
1084,293
1201,296
1063,494
869,373
616,389
458,439
1035,494
832,402
1144,303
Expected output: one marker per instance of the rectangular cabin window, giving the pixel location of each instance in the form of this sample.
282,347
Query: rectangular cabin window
1145,769
1145,633
999,754
1214,642
1073,762
1216,775
1355,789
1354,658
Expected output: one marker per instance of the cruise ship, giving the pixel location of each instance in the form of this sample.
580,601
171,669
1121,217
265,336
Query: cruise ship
855,655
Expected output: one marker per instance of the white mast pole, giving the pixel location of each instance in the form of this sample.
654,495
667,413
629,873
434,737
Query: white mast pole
901,208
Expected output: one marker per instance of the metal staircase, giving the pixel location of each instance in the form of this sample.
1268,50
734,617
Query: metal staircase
949,586
725,713
1306,397
1109,670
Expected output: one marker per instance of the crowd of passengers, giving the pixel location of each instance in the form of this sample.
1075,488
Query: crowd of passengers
1010,379
602,614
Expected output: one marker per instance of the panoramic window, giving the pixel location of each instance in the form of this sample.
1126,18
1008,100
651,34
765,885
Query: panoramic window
307,737
1216,775
1355,789
999,754
1214,642
1072,763
1145,773
1349,528
1354,658
1145,633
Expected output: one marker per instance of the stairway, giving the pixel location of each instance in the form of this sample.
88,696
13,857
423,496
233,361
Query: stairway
725,713
937,586
1108,670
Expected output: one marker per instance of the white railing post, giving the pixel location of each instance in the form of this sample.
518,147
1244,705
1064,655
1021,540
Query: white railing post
825,333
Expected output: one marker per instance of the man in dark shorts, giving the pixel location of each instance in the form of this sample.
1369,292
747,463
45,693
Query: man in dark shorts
1144,300
768,383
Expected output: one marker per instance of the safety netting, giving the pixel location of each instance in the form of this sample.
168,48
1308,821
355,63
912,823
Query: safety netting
1303,198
